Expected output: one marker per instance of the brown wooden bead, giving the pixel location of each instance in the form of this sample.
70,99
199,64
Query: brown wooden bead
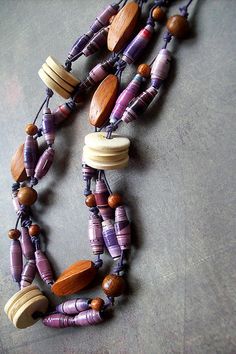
144,70
14,234
97,304
34,230
114,200
31,129
27,196
178,26
158,14
113,285
90,201
17,165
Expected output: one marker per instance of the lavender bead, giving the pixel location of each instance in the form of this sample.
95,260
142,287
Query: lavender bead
103,19
110,239
86,318
16,264
44,163
96,43
161,66
79,45
88,172
101,196
48,126
28,274
122,228
44,267
138,44
73,307
30,155
58,320
16,203
26,244
95,234
125,97
62,113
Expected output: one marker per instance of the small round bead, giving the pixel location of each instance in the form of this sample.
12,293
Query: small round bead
97,304
158,14
90,201
34,230
31,129
114,200
14,234
27,196
144,70
113,285
178,26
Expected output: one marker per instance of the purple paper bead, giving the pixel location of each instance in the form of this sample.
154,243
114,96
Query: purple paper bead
125,97
101,196
16,263
88,172
103,19
161,66
96,43
95,234
61,113
138,44
16,203
122,228
26,244
86,318
48,126
44,267
79,45
110,239
73,307
30,155
44,163
28,273
58,320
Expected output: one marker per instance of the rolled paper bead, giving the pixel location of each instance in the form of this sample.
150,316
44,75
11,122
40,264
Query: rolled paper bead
89,317
26,244
122,228
61,113
44,163
44,267
139,105
95,234
79,45
138,44
103,19
110,239
28,273
73,307
30,155
16,203
96,43
58,320
161,66
88,172
101,195
16,264
125,97
48,126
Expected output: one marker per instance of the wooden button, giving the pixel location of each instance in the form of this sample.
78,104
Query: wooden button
57,78
98,142
52,84
107,165
61,71
17,165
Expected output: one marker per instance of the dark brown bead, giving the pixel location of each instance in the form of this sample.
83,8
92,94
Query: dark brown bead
34,230
178,26
90,201
27,196
97,304
14,234
144,70
158,14
31,129
113,285
114,200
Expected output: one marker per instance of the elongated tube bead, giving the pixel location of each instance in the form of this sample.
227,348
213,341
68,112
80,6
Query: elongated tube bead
44,163
58,320
26,244
62,113
48,126
125,97
30,155
80,43
122,228
101,196
89,317
96,43
161,66
28,273
138,44
110,239
103,19
16,263
44,267
16,203
88,172
95,234
73,307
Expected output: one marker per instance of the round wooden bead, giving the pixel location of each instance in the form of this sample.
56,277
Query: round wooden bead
178,26
31,129
144,70
114,200
90,201
27,195
97,304
34,230
14,234
158,14
113,285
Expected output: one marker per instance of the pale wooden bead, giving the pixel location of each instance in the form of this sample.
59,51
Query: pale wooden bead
98,142
52,84
104,157
61,71
57,78
107,165
27,195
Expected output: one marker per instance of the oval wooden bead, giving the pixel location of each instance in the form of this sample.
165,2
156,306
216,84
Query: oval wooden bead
27,195
113,285
17,165
178,26
14,234
97,304
103,101
122,27
74,278
114,200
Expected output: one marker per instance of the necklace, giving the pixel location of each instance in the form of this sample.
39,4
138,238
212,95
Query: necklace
104,150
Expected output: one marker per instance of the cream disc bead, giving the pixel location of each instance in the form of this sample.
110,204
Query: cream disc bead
49,82
104,153
107,165
57,78
61,71
92,154
98,141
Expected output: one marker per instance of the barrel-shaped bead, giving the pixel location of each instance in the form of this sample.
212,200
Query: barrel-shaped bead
122,228
44,267
26,244
16,264
48,125
103,19
44,163
110,239
161,66
73,307
61,113
16,203
58,320
101,195
89,317
95,234
79,45
30,155
96,43
28,273
88,172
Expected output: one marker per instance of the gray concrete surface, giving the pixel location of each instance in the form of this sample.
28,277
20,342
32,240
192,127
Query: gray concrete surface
180,185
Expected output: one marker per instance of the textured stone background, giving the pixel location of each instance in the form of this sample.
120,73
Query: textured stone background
180,185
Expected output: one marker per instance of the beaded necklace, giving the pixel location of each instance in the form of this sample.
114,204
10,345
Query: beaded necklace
104,150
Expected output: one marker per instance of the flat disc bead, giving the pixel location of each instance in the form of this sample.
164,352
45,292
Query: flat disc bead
98,141
27,195
99,165
178,26
113,285
61,71
103,157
